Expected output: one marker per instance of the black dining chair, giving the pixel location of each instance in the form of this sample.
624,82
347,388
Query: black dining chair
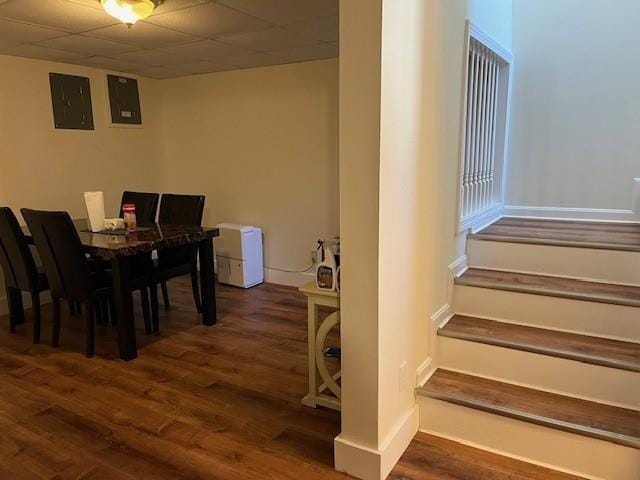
67,268
146,206
177,261
21,273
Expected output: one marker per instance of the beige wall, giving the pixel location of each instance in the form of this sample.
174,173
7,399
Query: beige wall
41,167
262,144
574,121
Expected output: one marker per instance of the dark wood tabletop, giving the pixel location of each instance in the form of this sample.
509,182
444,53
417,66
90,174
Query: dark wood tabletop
154,237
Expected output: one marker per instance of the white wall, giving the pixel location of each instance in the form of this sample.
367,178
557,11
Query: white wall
41,167
262,145
575,120
495,18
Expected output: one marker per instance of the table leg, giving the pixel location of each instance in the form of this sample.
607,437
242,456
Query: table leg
123,300
207,282
312,328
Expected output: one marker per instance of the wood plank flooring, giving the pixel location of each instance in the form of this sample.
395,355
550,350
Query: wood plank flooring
218,402
609,235
434,458
584,348
615,424
551,286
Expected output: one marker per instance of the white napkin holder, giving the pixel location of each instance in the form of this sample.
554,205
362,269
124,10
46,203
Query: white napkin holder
94,202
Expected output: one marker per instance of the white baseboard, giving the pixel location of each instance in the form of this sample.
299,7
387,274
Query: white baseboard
370,464
481,220
459,266
568,213
424,371
442,316
292,279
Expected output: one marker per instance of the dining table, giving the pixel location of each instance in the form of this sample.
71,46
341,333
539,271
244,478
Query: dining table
119,248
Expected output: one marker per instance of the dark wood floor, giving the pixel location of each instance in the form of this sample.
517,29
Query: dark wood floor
609,235
199,403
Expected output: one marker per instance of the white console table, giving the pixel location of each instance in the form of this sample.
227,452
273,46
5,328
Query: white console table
327,393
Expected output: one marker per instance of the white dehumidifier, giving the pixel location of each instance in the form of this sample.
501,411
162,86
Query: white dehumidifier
239,255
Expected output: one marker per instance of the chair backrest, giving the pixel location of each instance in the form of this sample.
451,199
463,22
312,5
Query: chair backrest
181,209
19,268
146,206
63,257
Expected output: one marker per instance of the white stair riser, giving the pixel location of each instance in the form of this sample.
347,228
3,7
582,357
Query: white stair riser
591,318
577,454
543,372
585,263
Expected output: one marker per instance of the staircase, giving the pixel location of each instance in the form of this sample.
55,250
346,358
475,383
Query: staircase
541,360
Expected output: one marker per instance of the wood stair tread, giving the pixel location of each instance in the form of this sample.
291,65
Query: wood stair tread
605,422
583,348
602,235
551,286
430,457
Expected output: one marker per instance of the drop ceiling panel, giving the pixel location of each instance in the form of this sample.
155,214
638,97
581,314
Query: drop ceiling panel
209,50
256,60
283,12
154,58
55,14
209,20
14,33
182,37
88,45
143,35
107,63
313,52
270,40
41,53
325,29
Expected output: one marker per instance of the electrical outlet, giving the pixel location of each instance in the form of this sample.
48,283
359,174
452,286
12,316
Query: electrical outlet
402,384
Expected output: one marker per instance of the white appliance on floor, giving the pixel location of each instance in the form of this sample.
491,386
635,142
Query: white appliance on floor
239,255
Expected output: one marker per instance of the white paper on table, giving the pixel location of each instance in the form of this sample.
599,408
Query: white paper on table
95,210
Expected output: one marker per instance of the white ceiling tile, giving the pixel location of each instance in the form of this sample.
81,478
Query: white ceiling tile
269,40
209,20
108,63
206,50
167,6
196,68
326,29
41,53
60,14
155,72
154,58
256,60
313,52
14,33
88,45
143,35
283,12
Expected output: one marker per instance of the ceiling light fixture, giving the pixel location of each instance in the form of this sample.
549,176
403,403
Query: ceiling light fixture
129,11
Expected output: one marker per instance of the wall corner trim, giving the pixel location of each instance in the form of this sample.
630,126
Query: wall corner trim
371,464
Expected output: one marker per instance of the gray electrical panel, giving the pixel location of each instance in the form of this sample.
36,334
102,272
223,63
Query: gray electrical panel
124,100
71,100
